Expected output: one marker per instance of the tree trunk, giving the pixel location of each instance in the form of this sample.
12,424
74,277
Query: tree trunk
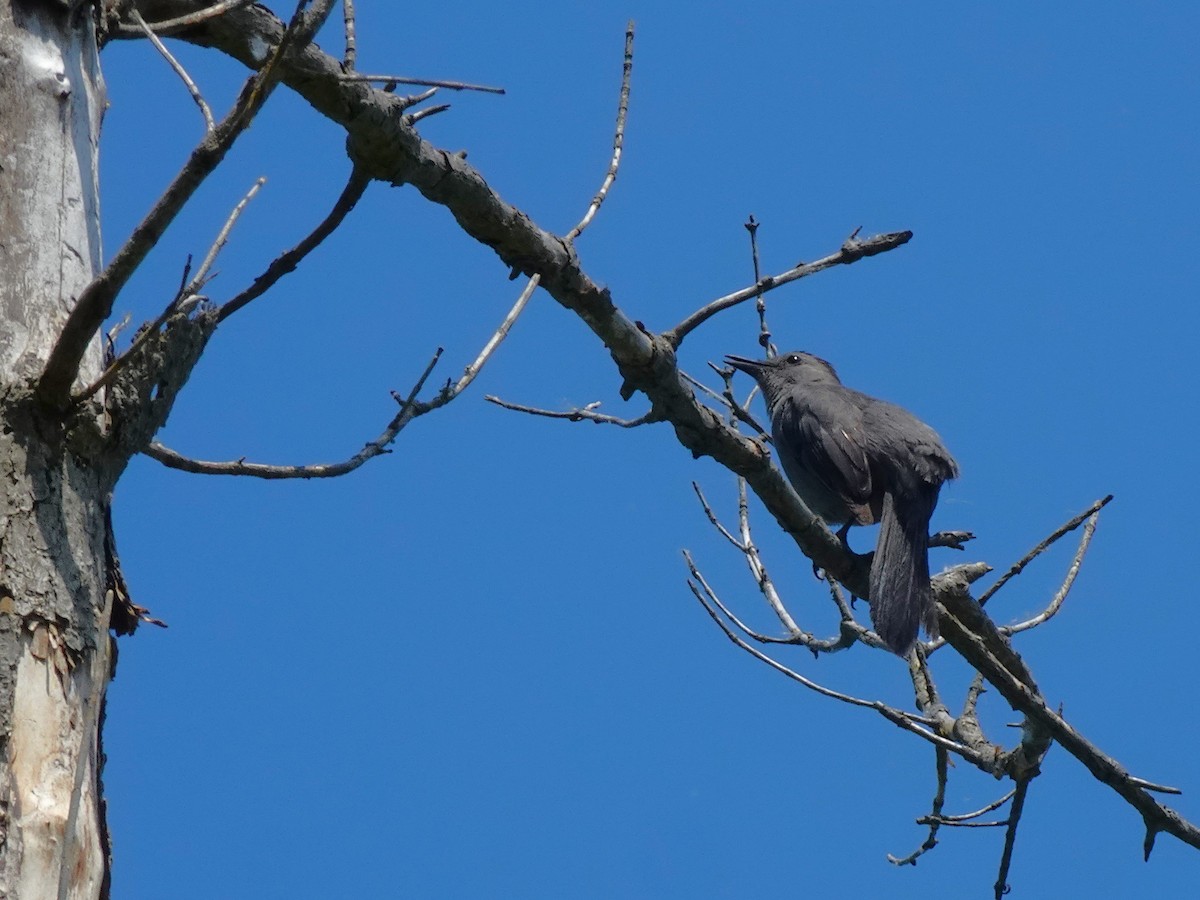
55,651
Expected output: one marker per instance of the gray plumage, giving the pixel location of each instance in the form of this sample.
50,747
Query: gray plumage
855,460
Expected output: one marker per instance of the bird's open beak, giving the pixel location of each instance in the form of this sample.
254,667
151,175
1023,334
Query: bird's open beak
747,365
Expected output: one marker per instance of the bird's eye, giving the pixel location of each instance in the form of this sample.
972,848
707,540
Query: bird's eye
793,358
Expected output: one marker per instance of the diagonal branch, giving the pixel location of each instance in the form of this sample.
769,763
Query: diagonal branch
95,303
392,151
154,39
852,250
287,262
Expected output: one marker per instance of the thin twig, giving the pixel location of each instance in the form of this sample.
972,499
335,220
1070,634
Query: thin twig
408,411
758,568
413,99
209,125
351,54
449,392
971,816
1019,566
423,82
1010,836
760,301
581,414
170,26
618,140
898,717
95,302
410,408
286,262
414,118
934,819
201,276
1056,602
851,251
715,522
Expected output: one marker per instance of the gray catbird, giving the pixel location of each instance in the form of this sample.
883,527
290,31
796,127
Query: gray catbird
855,460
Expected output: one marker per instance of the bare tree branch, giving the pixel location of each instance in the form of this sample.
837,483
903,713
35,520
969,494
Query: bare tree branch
618,140
410,408
95,303
350,56
286,262
1066,528
201,277
209,125
760,300
171,26
408,411
852,250
934,820
1010,835
1056,602
904,720
422,82
580,414
385,146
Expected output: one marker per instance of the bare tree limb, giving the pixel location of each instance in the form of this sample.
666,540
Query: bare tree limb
904,720
1066,528
760,300
934,820
422,82
580,414
95,303
377,447
173,25
209,125
410,408
1056,602
391,151
618,140
287,262
851,251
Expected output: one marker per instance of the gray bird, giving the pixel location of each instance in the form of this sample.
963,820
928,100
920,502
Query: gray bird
855,460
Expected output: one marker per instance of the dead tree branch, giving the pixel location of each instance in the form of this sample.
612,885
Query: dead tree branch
95,303
154,39
392,151
852,250
618,140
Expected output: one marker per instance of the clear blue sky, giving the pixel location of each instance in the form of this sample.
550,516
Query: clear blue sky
472,668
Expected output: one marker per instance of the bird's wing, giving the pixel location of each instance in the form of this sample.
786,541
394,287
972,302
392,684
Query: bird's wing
833,454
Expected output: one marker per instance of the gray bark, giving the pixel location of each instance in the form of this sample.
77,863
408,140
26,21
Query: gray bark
55,654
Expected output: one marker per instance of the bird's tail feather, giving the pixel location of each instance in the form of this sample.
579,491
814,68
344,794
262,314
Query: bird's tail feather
901,599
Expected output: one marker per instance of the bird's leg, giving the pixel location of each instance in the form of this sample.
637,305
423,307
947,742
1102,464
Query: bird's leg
841,536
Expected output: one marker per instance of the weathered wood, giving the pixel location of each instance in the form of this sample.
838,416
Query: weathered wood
55,655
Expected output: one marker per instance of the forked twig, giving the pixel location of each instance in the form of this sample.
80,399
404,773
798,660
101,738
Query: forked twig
852,250
1019,566
95,302
377,447
410,408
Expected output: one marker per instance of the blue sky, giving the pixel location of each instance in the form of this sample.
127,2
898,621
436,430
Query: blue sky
472,668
